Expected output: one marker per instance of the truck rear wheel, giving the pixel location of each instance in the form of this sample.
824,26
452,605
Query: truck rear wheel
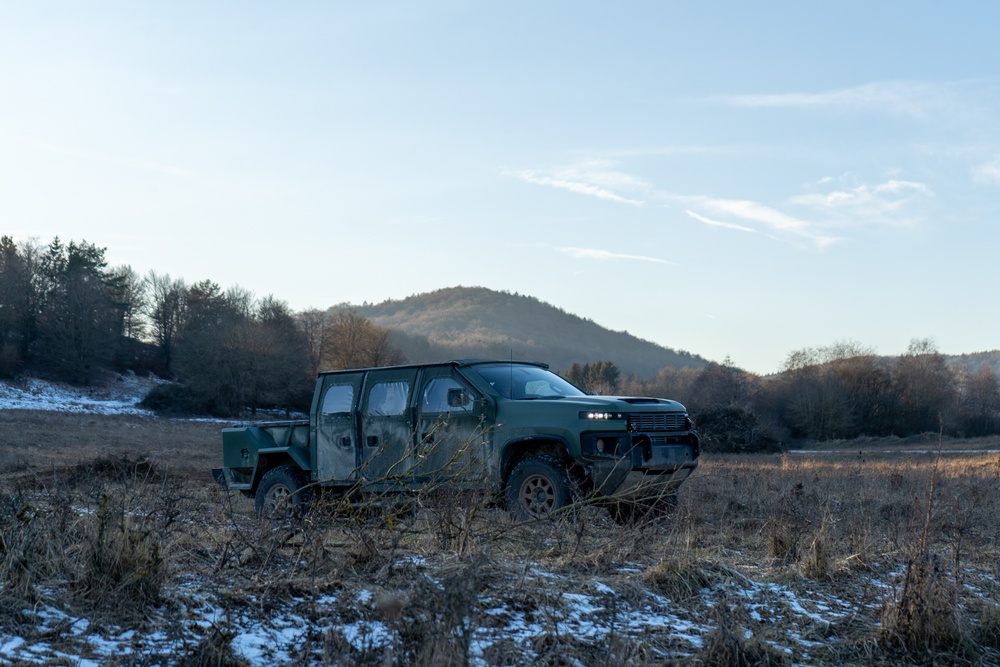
537,487
281,493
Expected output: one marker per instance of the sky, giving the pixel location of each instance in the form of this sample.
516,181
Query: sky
737,180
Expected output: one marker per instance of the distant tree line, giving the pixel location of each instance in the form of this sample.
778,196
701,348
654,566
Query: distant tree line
66,315
599,377
843,391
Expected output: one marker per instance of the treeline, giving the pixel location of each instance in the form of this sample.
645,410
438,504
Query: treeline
66,315
842,391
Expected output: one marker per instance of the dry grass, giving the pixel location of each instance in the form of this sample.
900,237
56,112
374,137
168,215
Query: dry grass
108,516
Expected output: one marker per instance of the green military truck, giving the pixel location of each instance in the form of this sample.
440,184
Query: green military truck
532,438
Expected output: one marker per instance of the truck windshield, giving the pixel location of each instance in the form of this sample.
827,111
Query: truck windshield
520,381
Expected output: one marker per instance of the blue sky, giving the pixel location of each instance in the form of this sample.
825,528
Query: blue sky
720,177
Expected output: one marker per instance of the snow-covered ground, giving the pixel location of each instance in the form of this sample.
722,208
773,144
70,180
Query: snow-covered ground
119,395
595,615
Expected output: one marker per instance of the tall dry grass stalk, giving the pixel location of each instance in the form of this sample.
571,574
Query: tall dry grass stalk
925,618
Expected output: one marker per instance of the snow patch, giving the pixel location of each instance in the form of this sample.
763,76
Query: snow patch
116,397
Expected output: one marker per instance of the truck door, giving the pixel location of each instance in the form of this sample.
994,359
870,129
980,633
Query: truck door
336,427
387,425
449,436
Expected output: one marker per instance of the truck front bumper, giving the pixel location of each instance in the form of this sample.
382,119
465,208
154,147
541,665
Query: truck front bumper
642,469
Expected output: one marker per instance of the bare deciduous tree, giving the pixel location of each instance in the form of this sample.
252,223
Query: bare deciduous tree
980,402
165,312
313,324
353,341
925,387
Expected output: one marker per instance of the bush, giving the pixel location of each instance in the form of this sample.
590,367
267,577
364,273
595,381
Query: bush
734,428
174,400
10,361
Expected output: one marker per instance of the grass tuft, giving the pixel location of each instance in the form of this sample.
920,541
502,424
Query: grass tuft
925,619
816,565
727,645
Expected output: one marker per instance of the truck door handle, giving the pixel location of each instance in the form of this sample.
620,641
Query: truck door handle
372,441
345,441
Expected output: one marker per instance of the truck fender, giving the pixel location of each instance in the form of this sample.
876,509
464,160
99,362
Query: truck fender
274,456
518,448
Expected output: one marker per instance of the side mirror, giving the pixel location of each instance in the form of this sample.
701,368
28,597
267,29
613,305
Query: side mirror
457,398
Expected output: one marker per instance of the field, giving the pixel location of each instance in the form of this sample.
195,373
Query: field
117,549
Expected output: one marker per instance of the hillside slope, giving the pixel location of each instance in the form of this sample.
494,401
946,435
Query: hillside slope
462,322
973,362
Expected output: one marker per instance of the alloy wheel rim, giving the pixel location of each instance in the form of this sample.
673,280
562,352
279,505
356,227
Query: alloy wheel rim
538,495
277,501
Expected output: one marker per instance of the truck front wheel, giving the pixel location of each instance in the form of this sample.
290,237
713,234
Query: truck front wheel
281,493
537,487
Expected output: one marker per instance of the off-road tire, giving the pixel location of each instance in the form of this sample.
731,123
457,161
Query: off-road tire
537,487
281,495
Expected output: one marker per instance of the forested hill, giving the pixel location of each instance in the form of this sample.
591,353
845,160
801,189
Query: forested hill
975,361
472,322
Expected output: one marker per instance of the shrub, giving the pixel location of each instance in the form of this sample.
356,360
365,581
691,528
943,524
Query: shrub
734,428
174,400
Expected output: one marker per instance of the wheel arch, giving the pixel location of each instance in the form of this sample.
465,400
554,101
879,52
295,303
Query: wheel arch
279,456
517,450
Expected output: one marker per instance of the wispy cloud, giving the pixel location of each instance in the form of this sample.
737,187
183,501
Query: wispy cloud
595,178
606,255
717,223
894,202
418,221
900,98
773,219
815,217
988,173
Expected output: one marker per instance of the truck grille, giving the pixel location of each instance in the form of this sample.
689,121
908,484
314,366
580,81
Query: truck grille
662,421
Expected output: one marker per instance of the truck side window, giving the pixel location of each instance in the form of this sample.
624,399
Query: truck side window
387,399
435,398
338,399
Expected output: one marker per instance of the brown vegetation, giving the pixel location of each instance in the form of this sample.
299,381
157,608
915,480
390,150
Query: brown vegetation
840,392
828,558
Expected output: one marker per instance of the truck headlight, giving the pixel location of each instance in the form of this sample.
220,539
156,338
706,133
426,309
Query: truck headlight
593,415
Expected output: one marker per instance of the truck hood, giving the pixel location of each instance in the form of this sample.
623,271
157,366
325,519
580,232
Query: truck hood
617,403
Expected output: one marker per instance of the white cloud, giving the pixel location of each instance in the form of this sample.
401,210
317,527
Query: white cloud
605,255
812,217
987,173
894,97
769,217
894,187
717,223
885,203
418,221
595,178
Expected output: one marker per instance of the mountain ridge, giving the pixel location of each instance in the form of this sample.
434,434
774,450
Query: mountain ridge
479,322
458,322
